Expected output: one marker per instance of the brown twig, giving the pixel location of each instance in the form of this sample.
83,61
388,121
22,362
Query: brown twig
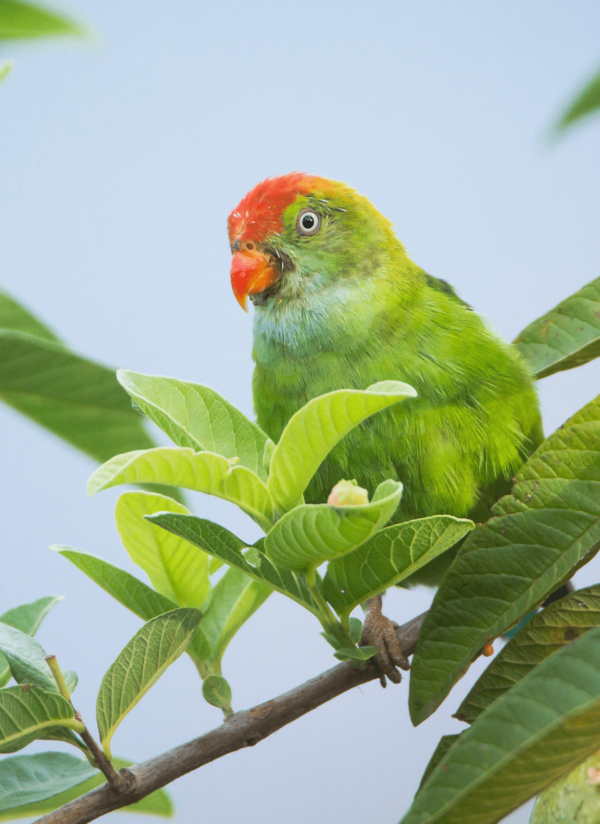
119,781
243,729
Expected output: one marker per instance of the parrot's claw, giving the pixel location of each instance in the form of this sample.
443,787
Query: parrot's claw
379,631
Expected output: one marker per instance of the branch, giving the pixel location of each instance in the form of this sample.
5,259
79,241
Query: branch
243,729
118,781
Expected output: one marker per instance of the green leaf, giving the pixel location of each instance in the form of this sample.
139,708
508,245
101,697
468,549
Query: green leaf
331,640
78,400
196,416
586,103
22,20
125,588
218,541
65,735
552,628
16,317
27,712
538,537
26,659
139,666
214,564
390,556
540,729
312,533
217,692
235,598
158,803
355,628
177,570
314,430
566,337
5,70
71,680
27,618
128,590
26,779
355,653
444,744
572,799
199,471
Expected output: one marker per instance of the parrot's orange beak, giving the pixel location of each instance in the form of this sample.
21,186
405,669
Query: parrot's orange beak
251,272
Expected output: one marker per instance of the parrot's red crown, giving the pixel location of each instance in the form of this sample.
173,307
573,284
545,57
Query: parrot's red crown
260,213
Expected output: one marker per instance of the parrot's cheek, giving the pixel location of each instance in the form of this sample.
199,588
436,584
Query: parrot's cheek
251,273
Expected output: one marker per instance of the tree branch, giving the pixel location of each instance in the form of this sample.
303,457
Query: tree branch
243,729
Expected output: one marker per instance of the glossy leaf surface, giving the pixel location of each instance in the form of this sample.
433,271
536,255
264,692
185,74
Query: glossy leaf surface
534,733
314,430
27,618
444,744
235,598
124,587
199,471
390,556
218,541
196,416
176,568
312,533
26,779
139,666
556,625
158,803
538,537
78,400
216,690
566,337
26,659
27,712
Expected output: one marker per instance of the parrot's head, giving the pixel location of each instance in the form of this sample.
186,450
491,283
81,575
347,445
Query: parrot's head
297,238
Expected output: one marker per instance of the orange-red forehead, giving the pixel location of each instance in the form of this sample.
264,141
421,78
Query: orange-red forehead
260,213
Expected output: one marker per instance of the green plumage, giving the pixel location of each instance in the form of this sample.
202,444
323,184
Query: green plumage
351,309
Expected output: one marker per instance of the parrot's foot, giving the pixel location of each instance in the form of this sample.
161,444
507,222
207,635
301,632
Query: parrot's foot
379,631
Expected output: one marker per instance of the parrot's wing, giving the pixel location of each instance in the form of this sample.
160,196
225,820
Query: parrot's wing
443,286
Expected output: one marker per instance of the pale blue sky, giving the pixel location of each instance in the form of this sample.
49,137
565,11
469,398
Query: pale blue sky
120,159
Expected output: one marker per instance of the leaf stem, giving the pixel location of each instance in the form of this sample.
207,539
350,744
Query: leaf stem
58,677
117,780
326,616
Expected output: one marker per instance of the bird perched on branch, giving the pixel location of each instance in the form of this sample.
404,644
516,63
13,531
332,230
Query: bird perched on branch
339,304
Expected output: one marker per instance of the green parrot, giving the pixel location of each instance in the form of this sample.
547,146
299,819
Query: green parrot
338,303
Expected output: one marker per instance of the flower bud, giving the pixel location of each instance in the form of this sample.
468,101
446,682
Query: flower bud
348,493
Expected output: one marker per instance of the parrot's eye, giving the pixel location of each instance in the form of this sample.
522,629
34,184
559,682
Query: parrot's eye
308,222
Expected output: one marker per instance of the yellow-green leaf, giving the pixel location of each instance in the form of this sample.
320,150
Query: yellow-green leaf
176,568
314,430
196,416
22,20
199,471
312,533
139,666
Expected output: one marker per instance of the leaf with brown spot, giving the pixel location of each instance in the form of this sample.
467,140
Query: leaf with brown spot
559,624
567,336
